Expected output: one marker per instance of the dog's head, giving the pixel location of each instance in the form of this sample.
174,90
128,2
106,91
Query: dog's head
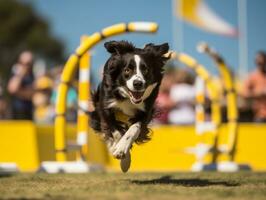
134,72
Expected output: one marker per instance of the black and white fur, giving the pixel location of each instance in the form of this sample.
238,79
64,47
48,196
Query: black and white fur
131,80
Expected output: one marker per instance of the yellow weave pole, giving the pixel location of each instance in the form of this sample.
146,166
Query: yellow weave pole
200,101
70,68
60,108
231,99
83,103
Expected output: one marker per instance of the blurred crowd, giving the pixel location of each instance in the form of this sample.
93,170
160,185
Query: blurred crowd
32,96
176,100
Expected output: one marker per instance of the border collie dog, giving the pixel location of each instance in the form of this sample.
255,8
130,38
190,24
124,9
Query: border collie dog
124,100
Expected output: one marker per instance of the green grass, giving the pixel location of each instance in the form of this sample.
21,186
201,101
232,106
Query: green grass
137,186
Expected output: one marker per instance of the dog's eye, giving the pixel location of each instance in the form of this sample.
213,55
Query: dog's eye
127,70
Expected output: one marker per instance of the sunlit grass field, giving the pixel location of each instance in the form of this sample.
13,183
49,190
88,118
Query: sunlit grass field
184,186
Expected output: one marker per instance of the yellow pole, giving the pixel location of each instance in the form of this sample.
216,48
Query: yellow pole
70,67
231,99
200,101
83,100
60,108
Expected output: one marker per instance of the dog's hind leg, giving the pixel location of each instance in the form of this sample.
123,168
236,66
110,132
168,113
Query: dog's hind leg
112,142
125,143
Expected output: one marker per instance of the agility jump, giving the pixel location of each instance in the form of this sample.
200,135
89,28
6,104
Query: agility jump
69,70
202,126
231,99
228,149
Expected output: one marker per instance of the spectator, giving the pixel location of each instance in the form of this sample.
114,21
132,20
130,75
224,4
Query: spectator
20,86
3,106
255,88
4,111
183,95
43,111
163,101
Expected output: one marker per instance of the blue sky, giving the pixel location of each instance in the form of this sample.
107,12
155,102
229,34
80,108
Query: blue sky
70,19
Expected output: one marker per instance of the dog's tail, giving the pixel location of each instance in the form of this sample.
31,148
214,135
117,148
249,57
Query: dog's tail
95,96
91,110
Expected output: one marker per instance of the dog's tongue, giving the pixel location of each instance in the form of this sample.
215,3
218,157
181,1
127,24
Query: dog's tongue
137,95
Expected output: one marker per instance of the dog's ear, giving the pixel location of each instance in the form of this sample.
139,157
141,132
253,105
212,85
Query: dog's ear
119,47
158,50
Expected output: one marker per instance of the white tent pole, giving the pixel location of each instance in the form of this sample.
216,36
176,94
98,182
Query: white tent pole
177,27
243,39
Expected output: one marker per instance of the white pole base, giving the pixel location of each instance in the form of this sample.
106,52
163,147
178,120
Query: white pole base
224,166
54,167
197,167
227,166
8,168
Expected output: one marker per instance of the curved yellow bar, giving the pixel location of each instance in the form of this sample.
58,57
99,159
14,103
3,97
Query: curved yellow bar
71,66
231,99
114,30
232,112
88,43
144,27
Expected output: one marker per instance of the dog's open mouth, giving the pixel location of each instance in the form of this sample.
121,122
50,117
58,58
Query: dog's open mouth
136,96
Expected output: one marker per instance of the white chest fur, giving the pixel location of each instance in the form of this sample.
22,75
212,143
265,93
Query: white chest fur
126,107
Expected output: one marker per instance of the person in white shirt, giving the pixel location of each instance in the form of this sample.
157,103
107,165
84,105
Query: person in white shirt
183,94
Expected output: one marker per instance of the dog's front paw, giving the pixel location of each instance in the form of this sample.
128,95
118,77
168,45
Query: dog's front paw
121,148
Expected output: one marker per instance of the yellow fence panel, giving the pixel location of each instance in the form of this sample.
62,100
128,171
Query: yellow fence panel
28,145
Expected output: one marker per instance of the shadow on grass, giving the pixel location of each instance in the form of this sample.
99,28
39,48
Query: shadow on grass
5,175
196,182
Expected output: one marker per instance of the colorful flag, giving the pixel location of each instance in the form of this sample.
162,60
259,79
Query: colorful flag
199,14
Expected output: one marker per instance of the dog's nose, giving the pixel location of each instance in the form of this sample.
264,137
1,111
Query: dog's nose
138,84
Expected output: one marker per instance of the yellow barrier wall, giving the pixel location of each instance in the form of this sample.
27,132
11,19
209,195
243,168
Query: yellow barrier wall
27,145
166,149
45,137
18,143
